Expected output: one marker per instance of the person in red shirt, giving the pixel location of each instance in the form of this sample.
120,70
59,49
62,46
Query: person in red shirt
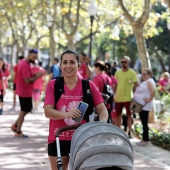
38,84
14,82
84,70
99,80
2,84
24,89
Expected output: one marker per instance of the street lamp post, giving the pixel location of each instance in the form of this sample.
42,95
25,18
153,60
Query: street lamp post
92,10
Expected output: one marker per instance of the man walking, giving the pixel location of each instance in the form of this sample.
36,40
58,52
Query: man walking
24,89
55,70
127,83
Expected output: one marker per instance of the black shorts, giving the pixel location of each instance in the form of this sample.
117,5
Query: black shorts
14,86
1,96
64,148
25,104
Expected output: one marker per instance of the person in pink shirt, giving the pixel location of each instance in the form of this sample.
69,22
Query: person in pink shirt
2,84
164,84
38,84
84,70
101,78
25,79
114,83
15,81
66,107
6,73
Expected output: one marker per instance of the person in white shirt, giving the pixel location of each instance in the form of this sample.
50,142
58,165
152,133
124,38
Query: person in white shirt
144,95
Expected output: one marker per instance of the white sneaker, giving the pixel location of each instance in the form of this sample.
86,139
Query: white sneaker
12,109
143,143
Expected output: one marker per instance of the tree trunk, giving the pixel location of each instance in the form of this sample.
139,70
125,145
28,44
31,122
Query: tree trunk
141,45
51,47
158,57
52,44
70,43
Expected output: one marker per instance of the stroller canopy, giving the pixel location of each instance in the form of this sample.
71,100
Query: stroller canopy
98,145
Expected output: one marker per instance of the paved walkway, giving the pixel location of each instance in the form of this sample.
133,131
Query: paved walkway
30,154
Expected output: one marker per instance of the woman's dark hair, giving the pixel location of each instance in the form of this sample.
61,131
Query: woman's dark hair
100,64
3,66
33,51
68,51
108,69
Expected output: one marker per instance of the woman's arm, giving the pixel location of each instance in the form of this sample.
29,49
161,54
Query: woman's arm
152,92
51,113
102,112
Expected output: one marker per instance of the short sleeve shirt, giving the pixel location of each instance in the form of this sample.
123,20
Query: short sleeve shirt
24,71
100,79
126,80
68,100
82,71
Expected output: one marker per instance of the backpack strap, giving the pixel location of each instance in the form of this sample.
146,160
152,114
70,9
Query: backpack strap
58,89
87,98
85,87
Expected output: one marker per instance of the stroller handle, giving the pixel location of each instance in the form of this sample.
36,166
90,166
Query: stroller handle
65,128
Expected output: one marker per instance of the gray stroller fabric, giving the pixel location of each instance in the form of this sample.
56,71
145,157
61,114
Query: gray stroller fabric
97,145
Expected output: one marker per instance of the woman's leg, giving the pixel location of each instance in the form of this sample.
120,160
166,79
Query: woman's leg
53,162
144,119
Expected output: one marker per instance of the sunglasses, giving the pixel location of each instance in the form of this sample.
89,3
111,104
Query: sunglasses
123,62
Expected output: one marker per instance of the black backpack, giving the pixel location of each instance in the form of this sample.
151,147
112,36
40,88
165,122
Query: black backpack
87,96
107,93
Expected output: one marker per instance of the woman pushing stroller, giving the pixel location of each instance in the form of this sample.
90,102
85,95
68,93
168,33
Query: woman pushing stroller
66,107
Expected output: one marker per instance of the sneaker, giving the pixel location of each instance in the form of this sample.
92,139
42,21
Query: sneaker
13,128
12,109
143,143
21,135
130,135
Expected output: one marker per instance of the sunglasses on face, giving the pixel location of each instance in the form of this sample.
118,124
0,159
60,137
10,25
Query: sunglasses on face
123,62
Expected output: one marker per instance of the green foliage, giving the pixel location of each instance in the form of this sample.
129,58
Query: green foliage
137,130
160,139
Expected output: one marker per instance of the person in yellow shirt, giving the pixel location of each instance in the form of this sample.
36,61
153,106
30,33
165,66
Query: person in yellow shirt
127,83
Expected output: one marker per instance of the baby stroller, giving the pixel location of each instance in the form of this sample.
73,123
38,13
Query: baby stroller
100,146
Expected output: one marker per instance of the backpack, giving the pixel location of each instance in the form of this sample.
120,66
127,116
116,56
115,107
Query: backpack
108,93
87,96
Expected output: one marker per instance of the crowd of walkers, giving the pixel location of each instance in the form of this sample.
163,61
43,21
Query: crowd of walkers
30,80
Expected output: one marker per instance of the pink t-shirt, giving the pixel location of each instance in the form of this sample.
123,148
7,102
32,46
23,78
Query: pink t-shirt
24,71
114,81
82,71
69,99
38,84
97,80
2,78
163,83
